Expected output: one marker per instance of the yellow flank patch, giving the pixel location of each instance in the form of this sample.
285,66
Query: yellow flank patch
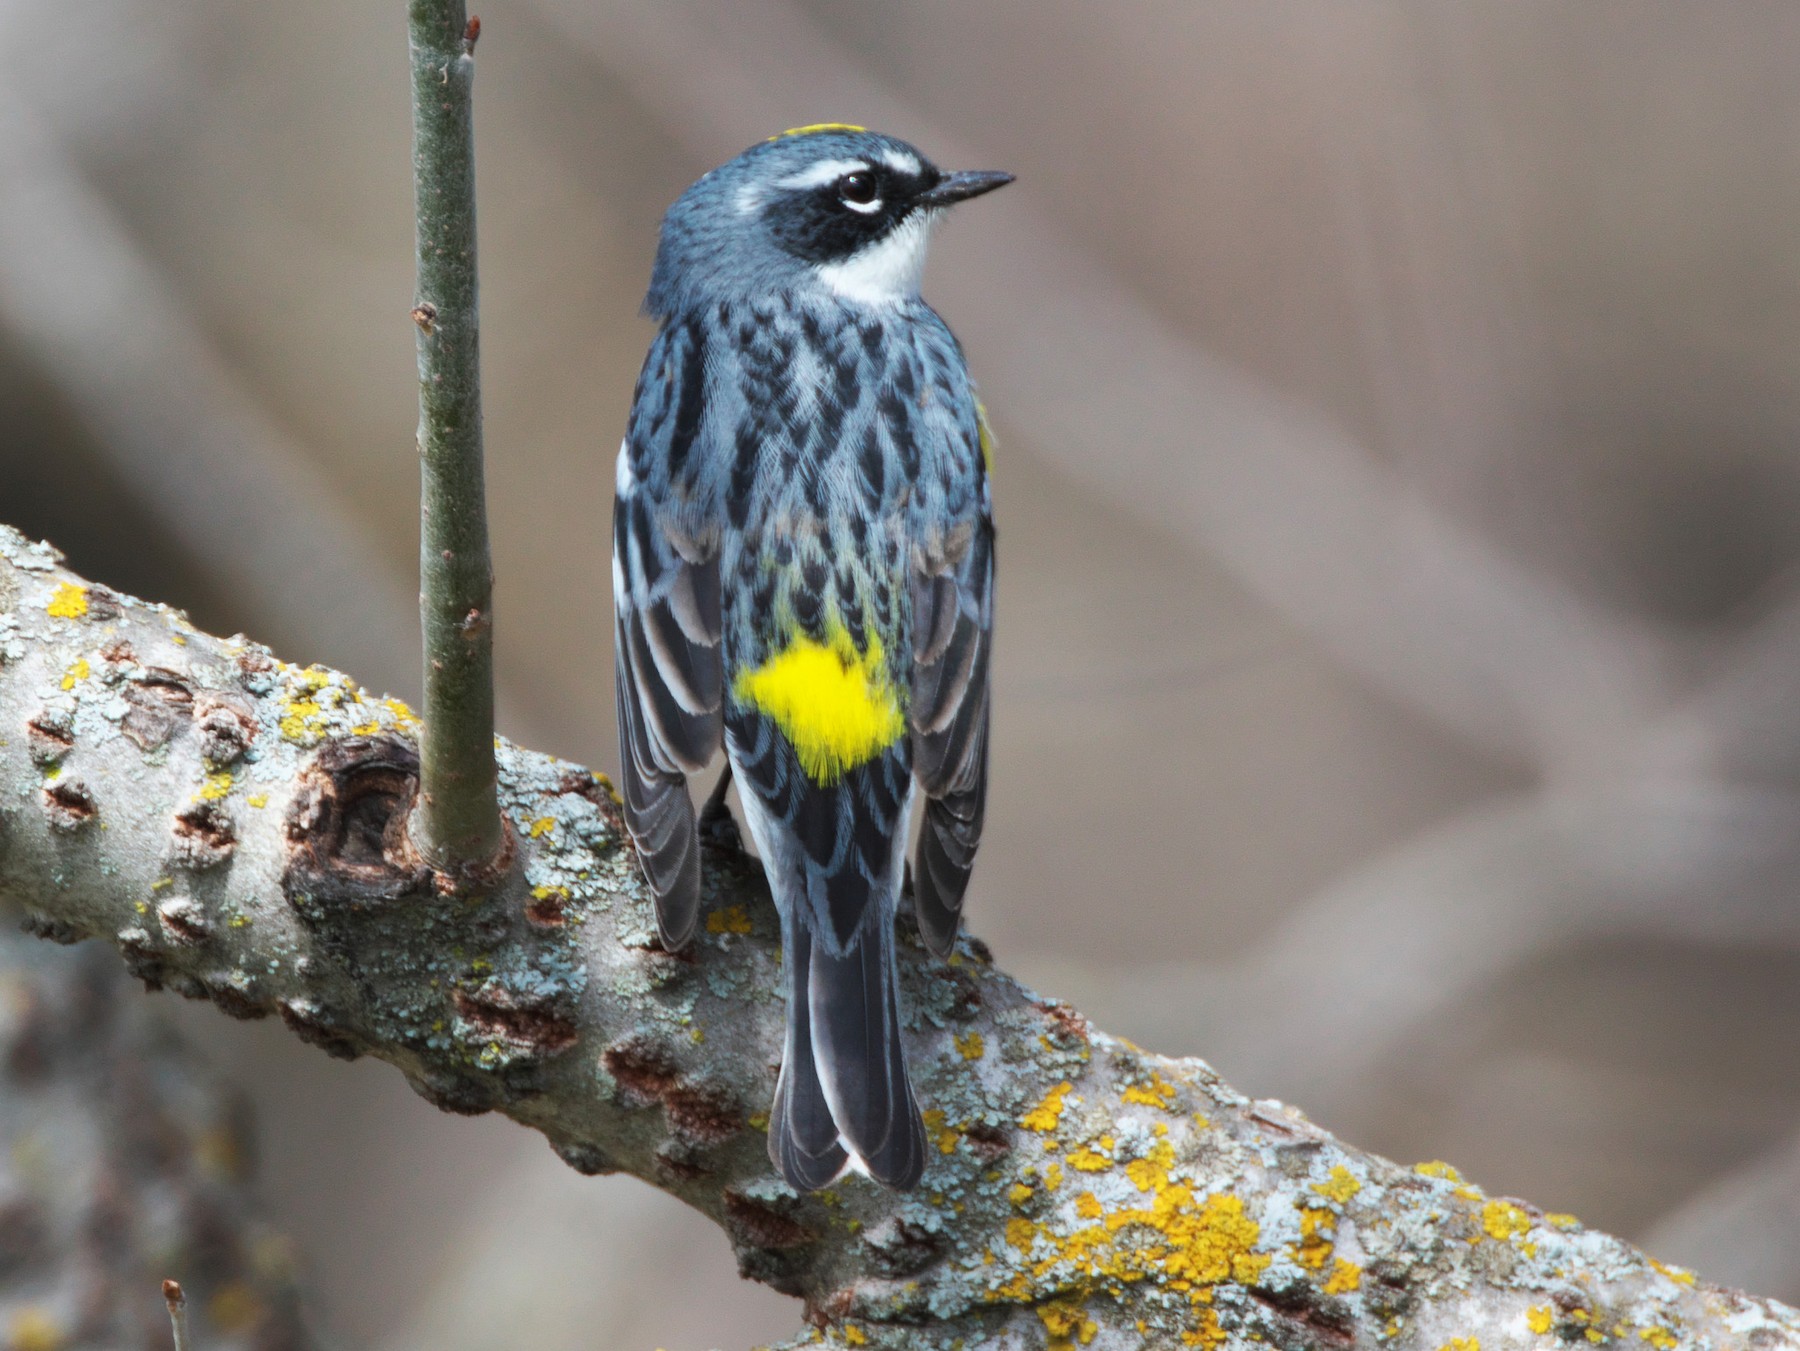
838,709
812,127
986,436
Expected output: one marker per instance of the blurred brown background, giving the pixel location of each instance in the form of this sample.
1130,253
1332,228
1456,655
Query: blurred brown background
1399,681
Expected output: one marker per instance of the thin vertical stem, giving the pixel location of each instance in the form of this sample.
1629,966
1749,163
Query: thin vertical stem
176,1299
457,825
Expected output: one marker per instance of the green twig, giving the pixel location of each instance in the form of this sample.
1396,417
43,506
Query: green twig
457,825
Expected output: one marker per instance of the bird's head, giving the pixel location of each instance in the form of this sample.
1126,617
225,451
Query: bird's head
834,207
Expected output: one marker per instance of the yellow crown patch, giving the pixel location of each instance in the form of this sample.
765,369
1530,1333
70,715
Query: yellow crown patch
816,127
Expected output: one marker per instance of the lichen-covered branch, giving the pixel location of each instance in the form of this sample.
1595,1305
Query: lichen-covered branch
458,822
234,825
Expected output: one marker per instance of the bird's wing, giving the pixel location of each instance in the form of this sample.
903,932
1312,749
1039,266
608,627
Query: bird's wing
667,660
953,625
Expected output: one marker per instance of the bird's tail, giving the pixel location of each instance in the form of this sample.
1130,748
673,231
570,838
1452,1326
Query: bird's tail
844,1097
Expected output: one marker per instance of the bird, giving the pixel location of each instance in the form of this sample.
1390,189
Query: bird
803,576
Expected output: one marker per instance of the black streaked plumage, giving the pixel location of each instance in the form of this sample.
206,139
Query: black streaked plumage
803,570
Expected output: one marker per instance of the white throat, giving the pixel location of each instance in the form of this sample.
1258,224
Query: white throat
887,271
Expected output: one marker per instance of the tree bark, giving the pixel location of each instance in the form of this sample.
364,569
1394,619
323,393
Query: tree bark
235,827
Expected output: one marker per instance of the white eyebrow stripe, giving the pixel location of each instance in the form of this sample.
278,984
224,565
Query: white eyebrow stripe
825,171
903,162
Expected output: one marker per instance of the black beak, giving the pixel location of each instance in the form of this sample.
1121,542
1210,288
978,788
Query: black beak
952,188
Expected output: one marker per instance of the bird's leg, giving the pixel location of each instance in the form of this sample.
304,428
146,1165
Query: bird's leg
717,825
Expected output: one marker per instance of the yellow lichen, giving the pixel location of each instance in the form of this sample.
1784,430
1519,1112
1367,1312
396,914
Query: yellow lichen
1159,1092
303,708
1019,1193
404,717
855,1336
731,919
1661,1338
1086,1160
942,1134
77,673
1503,1220
257,800
1437,1168
69,601
1187,1244
1208,1334
1540,1318
1345,1277
1152,1170
32,1329
217,786
235,1309
1047,1113
1317,1226
970,1045
1053,1176
541,827
1339,1186
1677,1274
1462,1344
1067,1323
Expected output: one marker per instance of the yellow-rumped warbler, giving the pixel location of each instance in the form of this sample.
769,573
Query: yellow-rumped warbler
803,566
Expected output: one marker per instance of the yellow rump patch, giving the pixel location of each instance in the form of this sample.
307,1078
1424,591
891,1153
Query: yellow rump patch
817,126
837,708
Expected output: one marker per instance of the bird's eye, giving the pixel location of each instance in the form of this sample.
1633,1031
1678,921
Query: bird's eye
857,189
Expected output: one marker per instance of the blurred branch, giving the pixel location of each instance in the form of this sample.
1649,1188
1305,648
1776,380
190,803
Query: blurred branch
235,827
121,1160
1749,1220
218,475
1410,934
458,818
